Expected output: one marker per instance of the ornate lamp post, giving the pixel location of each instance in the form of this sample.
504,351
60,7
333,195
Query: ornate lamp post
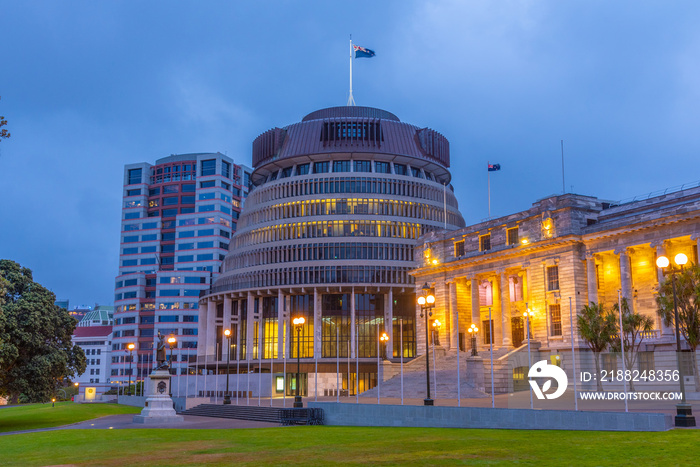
171,343
426,302
684,411
472,332
227,395
131,348
384,339
298,325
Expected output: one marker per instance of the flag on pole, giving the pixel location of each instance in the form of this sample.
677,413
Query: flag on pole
361,52
494,167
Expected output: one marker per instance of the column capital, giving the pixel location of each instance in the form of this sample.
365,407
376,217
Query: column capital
695,236
590,254
623,250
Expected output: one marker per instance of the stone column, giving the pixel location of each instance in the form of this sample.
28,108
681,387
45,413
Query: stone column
226,325
261,334
625,276
202,329
210,347
454,316
505,309
389,322
352,323
476,310
591,278
238,331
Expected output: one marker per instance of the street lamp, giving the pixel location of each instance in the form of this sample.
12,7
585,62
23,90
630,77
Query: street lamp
227,396
171,343
298,324
436,331
684,411
528,313
384,338
426,302
131,348
472,332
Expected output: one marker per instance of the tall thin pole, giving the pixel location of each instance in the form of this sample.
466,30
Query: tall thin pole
622,346
205,375
337,366
563,183
459,389
260,359
247,381
378,362
488,184
284,355
444,203
434,367
187,379
216,377
357,364
493,396
401,354
348,367
238,369
573,356
315,375
351,100
272,374
529,358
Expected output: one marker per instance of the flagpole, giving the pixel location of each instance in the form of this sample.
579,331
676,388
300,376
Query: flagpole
488,182
351,100
563,180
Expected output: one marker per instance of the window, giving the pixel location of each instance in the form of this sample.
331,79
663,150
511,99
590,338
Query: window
185,246
129,262
400,169
225,169
168,248
286,172
382,167
208,184
130,251
170,189
205,245
169,293
186,234
150,225
132,215
609,362
149,237
320,167
646,362
131,239
133,192
553,278
485,242
185,258
169,212
459,249
206,208
205,232
209,167
189,188
302,169
134,176
188,200
512,235
208,257
363,166
170,201
555,320
154,192
341,166
416,172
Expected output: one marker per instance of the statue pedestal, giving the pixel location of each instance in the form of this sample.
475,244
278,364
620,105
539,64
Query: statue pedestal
159,405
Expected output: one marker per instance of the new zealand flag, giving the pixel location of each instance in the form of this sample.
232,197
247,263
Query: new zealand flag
362,52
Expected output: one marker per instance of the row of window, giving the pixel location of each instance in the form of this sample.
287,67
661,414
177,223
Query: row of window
317,275
350,166
512,238
320,229
333,206
161,319
319,252
351,185
152,306
167,260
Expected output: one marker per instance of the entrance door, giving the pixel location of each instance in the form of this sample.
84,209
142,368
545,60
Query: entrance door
518,328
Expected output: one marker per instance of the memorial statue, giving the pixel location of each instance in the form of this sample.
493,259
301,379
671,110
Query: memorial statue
160,353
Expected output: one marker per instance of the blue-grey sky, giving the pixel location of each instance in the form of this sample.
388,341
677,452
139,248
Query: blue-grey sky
90,86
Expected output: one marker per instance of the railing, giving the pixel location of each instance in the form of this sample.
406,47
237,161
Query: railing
653,194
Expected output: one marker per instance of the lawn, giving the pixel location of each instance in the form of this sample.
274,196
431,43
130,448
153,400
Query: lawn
332,445
31,416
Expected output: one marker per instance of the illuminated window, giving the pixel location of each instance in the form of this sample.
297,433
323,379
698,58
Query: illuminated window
485,242
555,320
459,249
553,278
512,235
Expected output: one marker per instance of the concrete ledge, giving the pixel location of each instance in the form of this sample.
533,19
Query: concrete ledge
158,420
478,417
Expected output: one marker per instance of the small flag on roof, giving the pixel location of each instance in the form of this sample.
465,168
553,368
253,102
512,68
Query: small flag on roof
361,52
494,167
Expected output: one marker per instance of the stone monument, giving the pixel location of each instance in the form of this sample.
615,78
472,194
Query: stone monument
159,405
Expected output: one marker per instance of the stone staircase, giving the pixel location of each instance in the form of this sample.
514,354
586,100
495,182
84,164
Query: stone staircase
258,414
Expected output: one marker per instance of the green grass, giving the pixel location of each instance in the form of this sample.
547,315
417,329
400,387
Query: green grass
332,445
31,416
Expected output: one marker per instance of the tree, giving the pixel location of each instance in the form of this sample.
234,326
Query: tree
634,325
596,326
688,299
36,350
3,131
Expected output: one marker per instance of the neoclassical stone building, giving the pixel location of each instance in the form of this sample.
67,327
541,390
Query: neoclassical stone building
328,233
567,247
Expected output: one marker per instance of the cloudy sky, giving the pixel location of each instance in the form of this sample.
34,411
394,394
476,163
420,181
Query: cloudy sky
90,86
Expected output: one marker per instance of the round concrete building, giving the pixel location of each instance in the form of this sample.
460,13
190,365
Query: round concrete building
328,233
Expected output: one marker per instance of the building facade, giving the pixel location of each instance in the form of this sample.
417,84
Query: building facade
96,342
328,234
553,259
178,217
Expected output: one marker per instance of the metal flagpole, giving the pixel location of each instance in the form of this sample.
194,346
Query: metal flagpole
337,367
238,368
260,359
401,354
205,375
378,380
563,183
434,368
488,183
187,378
493,397
527,331
272,374
357,364
284,365
315,374
247,381
622,346
216,376
573,356
459,389
348,367
351,100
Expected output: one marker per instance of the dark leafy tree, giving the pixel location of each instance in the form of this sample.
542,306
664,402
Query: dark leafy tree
634,326
36,350
3,131
688,298
597,327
